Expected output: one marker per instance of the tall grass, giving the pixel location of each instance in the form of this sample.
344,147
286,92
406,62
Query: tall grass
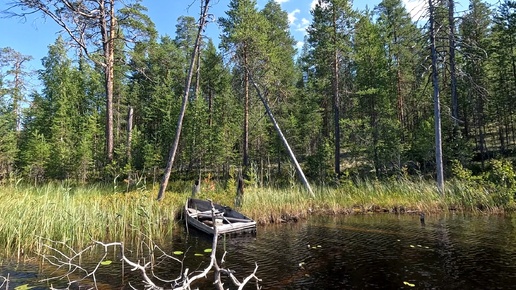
399,196
77,216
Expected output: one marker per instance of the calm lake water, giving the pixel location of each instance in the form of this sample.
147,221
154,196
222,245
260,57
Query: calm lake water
380,251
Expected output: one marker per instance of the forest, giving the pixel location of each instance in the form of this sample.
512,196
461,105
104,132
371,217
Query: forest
356,102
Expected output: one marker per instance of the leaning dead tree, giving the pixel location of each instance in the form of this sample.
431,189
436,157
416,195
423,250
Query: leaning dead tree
280,134
186,92
75,274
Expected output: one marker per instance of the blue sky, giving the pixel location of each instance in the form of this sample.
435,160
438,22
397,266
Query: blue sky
33,36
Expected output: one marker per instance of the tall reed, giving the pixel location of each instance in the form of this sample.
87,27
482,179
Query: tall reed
268,205
77,216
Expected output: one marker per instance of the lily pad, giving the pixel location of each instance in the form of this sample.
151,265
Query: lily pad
198,255
409,284
23,287
178,252
106,262
207,250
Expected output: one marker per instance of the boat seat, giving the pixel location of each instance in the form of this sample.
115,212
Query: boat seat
195,212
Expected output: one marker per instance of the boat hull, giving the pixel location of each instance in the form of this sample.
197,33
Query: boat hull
198,214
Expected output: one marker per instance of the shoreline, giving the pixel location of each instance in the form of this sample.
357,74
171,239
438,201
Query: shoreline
77,215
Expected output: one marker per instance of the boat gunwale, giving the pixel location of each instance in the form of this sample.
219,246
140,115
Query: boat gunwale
235,227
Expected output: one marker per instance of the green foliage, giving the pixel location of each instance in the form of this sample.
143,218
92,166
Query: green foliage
36,156
461,173
499,181
319,166
502,178
8,142
368,66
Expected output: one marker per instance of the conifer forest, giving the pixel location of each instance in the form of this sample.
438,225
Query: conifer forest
366,97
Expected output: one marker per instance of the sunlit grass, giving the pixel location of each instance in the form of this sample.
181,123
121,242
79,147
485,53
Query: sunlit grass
78,215
273,205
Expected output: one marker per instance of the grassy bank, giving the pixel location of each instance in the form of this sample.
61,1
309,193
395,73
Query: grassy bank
268,205
78,215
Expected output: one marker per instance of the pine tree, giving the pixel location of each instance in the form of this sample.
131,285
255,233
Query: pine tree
502,65
13,88
475,32
243,35
376,97
330,36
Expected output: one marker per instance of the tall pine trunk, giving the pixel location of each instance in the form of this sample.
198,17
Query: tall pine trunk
107,30
245,161
336,97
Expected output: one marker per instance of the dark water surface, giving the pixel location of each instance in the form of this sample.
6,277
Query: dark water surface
347,252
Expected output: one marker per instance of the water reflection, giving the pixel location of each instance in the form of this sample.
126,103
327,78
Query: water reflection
356,252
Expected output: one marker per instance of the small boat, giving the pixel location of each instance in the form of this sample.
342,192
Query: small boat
199,214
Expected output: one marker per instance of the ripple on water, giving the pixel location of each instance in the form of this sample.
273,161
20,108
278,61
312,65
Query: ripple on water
363,252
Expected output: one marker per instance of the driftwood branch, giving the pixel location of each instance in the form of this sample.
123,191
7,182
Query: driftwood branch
68,262
4,282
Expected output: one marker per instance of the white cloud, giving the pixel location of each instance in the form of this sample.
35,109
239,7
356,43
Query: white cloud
312,5
292,16
300,26
281,1
303,25
416,8
299,45
314,2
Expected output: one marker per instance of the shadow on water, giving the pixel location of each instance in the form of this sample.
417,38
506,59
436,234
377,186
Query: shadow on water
346,252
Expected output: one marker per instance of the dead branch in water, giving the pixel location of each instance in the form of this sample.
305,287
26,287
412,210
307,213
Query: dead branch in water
68,260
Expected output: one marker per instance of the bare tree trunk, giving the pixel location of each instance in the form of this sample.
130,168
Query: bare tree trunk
129,133
198,75
172,153
437,106
285,142
245,161
453,73
108,42
336,99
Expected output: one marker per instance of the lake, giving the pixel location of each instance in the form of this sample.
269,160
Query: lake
376,251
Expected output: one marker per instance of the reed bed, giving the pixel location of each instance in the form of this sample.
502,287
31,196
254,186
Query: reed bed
78,215
399,196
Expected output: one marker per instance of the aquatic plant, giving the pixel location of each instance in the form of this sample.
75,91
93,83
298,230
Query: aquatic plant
77,215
